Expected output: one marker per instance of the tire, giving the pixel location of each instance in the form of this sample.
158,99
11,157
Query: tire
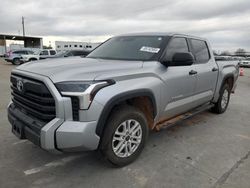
16,61
223,101
120,119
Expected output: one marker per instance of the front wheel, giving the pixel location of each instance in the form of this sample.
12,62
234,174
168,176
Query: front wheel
223,101
125,136
16,61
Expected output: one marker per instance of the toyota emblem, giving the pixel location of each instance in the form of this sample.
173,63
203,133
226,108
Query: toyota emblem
20,85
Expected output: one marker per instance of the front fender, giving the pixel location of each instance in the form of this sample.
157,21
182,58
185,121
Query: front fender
124,90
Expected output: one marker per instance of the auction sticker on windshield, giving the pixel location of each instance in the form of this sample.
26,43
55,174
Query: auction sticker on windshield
149,49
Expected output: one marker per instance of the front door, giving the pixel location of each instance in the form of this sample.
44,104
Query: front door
177,95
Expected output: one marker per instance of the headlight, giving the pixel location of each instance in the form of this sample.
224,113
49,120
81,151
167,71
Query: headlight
73,86
84,90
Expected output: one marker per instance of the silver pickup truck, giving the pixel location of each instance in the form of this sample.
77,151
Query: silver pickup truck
109,101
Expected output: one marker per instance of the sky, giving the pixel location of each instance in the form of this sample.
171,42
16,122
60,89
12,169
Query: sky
225,23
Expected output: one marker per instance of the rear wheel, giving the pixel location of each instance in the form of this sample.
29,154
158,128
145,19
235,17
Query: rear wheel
16,61
223,101
125,136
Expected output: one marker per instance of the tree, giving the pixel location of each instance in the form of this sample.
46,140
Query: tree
240,52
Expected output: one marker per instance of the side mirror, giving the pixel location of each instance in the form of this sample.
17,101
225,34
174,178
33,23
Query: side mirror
181,59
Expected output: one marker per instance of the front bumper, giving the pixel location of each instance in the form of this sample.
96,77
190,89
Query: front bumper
23,126
61,133
57,135
77,136
8,60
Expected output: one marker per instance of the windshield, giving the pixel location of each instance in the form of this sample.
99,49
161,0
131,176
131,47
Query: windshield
143,48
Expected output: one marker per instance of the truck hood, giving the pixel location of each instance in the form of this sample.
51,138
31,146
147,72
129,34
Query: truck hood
75,69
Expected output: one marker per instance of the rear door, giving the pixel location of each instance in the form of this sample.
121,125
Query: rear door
177,95
207,71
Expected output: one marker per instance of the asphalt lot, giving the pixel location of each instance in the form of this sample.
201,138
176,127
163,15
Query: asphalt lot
208,150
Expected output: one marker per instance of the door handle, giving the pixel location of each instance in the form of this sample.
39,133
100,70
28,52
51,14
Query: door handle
214,69
192,72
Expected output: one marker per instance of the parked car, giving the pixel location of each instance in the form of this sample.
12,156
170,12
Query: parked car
245,62
223,58
70,53
30,57
47,53
63,54
110,100
40,54
14,56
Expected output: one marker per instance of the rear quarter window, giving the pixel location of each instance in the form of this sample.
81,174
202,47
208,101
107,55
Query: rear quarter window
200,50
45,52
52,52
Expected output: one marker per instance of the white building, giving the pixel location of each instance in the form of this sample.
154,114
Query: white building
67,45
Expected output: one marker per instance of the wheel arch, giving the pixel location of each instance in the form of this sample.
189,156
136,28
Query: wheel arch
126,97
15,58
228,79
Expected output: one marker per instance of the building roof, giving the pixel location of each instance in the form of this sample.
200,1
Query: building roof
16,37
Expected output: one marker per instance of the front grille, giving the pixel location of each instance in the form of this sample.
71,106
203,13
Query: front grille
33,98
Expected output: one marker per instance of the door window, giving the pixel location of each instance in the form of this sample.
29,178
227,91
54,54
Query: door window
200,51
176,45
45,52
52,52
19,52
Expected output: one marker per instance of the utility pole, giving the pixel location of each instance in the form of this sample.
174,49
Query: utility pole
5,46
23,26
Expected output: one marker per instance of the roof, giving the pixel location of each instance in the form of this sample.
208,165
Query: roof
16,37
161,34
